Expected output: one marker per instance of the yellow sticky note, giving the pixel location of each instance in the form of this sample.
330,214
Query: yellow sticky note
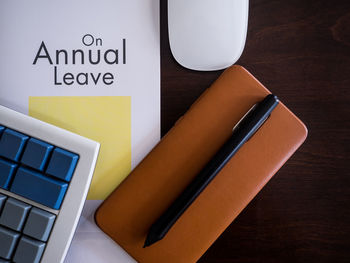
106,120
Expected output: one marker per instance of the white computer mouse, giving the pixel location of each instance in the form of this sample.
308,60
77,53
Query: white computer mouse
207,34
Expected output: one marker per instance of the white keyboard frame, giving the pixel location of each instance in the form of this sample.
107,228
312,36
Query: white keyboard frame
68,215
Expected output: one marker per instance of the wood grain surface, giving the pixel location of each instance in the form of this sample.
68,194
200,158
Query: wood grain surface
300,50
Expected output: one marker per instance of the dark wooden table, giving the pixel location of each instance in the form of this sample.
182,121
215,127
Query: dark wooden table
300,50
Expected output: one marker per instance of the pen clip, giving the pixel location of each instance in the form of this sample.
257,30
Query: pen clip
236,126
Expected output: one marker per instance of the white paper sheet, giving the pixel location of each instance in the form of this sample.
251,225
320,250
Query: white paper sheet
25,24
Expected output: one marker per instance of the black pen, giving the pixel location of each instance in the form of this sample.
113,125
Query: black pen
241,133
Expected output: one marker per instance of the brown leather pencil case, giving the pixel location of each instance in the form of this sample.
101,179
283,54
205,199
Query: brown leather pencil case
143,196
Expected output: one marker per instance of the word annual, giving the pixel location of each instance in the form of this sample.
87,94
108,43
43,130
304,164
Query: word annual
93,56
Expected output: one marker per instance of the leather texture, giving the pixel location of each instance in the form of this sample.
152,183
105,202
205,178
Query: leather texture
143,196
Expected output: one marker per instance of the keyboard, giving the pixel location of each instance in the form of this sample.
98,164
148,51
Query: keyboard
45,174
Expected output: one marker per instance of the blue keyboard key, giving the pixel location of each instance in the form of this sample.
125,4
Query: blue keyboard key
36,154
12,144
7,170
62,164
39,188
